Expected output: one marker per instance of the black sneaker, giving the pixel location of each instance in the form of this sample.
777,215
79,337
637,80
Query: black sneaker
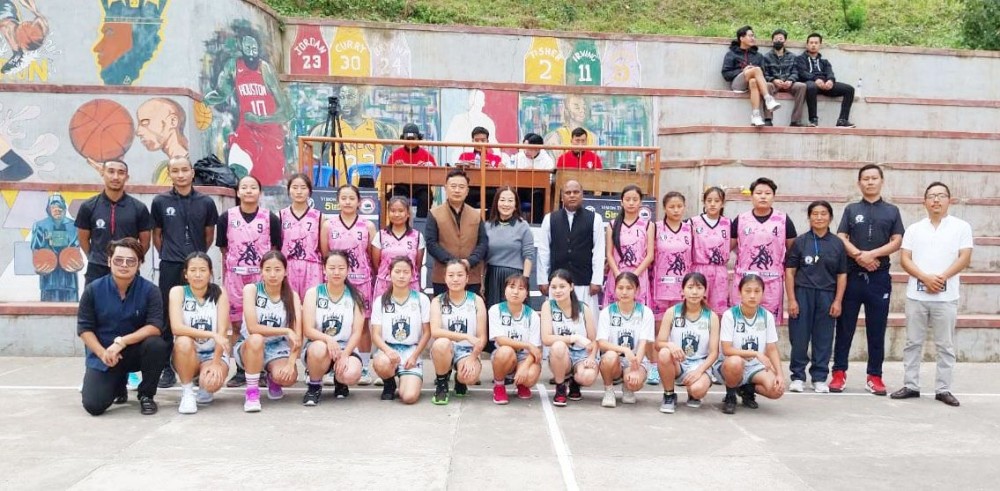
238,380
508,380
147,405
167,379
843,123
813,122
749,396
574,391
13,62
388,389
341,391
121,396
729,404
441,391
262,381
768,122
461,390
313,394
559,399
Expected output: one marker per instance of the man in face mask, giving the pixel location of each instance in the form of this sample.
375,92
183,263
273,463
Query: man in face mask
782,75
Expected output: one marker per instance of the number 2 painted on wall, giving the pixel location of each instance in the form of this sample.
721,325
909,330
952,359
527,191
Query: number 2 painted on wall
311,61
547,72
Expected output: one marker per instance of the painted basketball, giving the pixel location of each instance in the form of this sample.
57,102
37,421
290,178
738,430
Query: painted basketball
71,259
202,115
44,260
101,130
30,35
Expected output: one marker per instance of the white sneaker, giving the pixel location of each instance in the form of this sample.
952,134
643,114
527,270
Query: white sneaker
796,386
756,119
628,397
366,378
189,404
328,380
134,378
204,397
609,398
771,104
252,402
821,388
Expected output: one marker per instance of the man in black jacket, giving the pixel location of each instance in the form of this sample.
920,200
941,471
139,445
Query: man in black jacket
782,75
818,75
742,69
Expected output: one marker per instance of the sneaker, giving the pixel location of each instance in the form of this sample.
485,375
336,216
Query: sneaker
238,380
389,389
523,392
134,379
274,391
252,402
813,122
189,404
167,379
574,391
262,380
749,396
839,380
440,391
366,378
843,123
147,405
120,399
203,397
609,398
693,403
377,382
729,404
461,390
771,104
13,62
628,397
508,380
875,385
796,386
756,119
313,394
669,405
559,399
768,122
821,388
797,124
328,380
500,394
653,378
341,391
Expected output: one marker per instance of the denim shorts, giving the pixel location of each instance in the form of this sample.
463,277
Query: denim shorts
405,351
274,349
751,368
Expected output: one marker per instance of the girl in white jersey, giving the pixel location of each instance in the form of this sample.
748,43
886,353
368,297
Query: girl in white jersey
750,345
332,320
515,328
400,328
199,319
568,330
272,332
624,329
458,324
688,345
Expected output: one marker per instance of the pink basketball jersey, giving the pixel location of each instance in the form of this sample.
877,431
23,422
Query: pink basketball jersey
300,236
761,246
672,260
354,241
408,245
711,244
248,241
632,241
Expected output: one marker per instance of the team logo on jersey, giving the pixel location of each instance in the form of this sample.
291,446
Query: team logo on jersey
689,344
189,305
557,316
234,224
322,303
808,260
270,320
287,224
747,230
261,302
201,324
446,310
625,338
249,255
741,327
859,219
334,234
616,320
750,344
332,324
514,335
401,329
678,321
505,320
391,308
699,230
458,325
170,211
100,223
564,331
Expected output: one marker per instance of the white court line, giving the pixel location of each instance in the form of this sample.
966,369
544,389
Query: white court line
562,450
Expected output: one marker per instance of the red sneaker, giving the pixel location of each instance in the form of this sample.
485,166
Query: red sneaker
523,392
838,381
499,394
559,400
875,385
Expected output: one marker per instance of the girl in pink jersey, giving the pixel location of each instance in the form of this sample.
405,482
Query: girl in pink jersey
397,239
711,248
629,246
672,262
349,233
300,225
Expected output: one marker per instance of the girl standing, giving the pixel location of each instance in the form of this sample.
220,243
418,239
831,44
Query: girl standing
400,327
629,245
458,324
673,260
624,330
515,329
569,332
300,227
710,253
688,345
397,239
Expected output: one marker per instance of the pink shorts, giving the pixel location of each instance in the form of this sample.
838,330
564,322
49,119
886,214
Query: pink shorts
234,284
303,275
774,297
365,289
717,289
661,306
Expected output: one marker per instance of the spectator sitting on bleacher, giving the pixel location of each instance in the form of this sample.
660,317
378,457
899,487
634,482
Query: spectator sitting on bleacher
411,154
742,69
531,158
480,135
584,159
818,75
782,76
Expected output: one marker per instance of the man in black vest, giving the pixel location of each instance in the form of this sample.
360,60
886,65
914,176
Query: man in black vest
573,239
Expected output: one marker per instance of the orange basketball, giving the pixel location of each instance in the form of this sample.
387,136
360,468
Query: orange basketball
202,115
31,34
101,130
71,259
44,260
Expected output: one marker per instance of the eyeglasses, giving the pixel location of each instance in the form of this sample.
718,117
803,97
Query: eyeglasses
938,196
124,261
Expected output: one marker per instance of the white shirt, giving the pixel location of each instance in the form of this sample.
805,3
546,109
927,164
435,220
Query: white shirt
748,334
402,323
621,330
542,162
524,329
545,253
933,251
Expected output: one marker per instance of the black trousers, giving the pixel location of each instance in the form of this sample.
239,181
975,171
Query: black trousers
95,271
171,275
839,90
101,388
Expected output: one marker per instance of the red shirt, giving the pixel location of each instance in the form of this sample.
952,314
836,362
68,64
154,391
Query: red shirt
492,159
587,160
403,156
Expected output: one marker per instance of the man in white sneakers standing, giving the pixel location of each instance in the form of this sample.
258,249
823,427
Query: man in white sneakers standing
935,250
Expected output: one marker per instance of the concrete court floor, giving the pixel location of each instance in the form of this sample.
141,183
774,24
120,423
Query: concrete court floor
852,440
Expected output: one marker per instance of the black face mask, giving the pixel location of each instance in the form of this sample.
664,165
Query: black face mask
778,45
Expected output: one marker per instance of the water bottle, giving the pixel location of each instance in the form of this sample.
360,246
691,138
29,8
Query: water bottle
479,160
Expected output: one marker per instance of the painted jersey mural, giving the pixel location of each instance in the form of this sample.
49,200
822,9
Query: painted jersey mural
554,61
241,84
130,35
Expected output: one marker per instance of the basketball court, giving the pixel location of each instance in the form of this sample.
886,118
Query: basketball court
803,441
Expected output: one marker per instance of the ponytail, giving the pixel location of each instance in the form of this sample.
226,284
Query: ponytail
446,296
566,276
351,289
616,227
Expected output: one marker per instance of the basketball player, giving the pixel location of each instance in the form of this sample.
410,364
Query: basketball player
400,327
257,143
710,248
688,345
300,228
515,328
10,21
398,238
575,114
568,330
354,124
458,324
624,330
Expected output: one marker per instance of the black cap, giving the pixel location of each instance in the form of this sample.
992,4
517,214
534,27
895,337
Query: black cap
411,131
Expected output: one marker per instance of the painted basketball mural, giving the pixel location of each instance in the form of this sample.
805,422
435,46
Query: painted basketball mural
101,130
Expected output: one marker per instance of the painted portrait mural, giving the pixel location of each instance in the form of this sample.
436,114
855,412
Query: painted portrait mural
130,36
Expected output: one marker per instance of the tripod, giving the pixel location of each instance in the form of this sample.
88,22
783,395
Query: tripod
333,129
